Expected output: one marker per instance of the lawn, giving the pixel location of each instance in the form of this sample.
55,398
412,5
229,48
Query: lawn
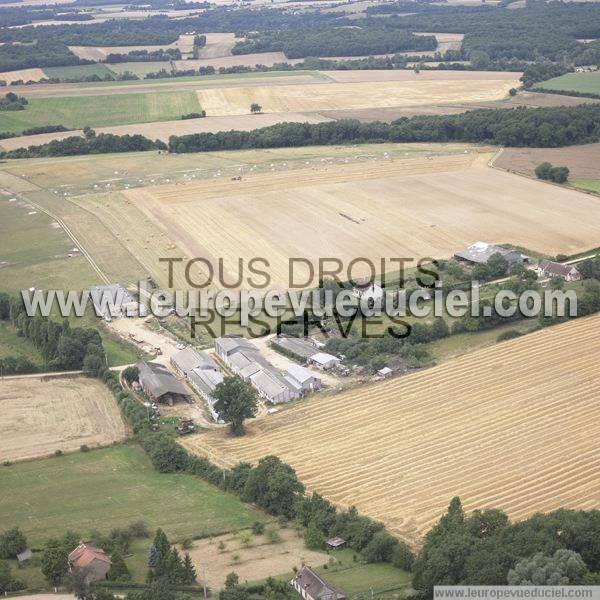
77,71
109,488
12,344
75,112
590,185
588,83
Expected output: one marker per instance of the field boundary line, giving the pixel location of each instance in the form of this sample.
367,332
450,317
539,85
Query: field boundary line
74,239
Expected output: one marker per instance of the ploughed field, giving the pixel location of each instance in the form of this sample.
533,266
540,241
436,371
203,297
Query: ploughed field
515,426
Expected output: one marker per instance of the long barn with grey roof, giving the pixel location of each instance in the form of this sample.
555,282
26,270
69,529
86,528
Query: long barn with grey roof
160,385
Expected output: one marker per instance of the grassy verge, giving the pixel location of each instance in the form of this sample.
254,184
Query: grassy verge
75,112
110,488
589,185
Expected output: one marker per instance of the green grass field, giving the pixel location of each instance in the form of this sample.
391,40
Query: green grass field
588,83
109,488
590,185
75,112
12,344
140,68
77,71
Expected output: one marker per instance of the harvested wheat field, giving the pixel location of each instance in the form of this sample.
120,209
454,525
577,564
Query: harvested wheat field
515,426
217,45
22,75
424,205
356,93
246,60
42,415
185,43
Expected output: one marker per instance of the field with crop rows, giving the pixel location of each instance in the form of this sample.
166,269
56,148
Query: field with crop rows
408,206
515,426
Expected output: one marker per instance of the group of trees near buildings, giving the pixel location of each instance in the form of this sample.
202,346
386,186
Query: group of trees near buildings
63,348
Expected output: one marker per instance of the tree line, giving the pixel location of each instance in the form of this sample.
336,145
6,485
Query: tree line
63,348
519,127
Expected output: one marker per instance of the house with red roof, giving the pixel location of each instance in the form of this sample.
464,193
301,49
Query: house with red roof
93,560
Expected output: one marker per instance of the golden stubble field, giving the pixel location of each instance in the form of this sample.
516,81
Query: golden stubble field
515,426
419,206
359,91
40,416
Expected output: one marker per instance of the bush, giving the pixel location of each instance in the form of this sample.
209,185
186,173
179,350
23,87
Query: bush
258,528
403,557
511,334
84,448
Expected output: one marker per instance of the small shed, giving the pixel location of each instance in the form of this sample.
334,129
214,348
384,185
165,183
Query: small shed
24,557
336,543
386,372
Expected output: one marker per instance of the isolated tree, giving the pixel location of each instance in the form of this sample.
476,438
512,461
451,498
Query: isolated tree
118,570
12,542
559,174
513,91
255,107
152,556
497,265
235,402
564,567
380,548
314,538
542,171
232,580
54,565
189,571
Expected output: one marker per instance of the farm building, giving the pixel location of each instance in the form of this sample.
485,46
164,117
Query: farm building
160,385
552,269
312,586
368,290
303,379
271,386
204,381
23,558
324,361
480,252
298,347
190,358
244,359
228,346
386,372
93,560
113,301
336,543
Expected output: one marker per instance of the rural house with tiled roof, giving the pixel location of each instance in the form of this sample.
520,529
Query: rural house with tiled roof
93,560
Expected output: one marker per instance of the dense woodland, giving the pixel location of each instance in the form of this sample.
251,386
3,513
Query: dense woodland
335,41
